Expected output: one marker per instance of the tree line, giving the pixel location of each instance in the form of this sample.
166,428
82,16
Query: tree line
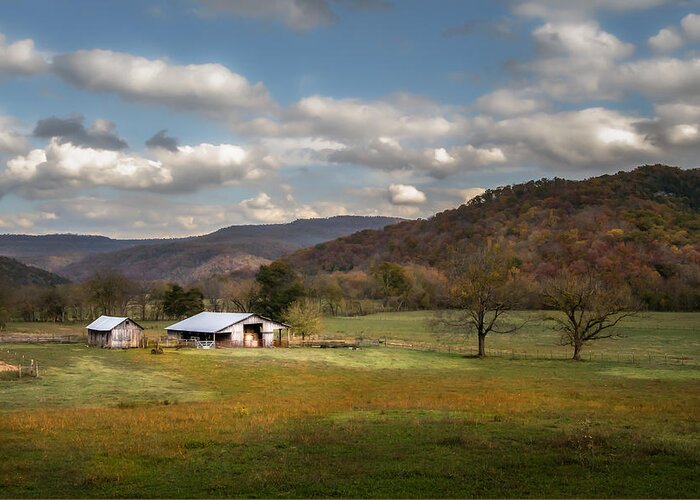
474,293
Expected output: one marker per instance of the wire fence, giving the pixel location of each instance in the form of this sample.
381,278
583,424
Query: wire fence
550,354
16,365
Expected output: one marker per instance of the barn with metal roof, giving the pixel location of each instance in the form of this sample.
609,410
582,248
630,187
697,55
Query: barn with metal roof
217,329
115,332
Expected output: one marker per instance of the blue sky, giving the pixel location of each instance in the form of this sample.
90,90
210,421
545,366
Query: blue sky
274,110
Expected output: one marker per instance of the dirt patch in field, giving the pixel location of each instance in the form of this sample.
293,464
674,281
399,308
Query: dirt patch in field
4,367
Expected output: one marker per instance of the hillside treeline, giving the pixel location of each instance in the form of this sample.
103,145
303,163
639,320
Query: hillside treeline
639,229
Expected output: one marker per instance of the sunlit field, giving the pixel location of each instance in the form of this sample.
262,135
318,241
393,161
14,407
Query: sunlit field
371,422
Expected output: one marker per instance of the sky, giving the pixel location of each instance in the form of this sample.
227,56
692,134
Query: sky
166,118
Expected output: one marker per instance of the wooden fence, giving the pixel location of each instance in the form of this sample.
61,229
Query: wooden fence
15,365
13,338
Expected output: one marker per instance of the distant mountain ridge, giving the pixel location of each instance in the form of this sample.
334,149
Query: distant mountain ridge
238,249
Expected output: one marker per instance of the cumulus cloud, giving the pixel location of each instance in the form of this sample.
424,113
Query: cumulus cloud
575,59
61,167
691,26
49,172
262,208
666,40
592,137
403,194
20,58
11,141
136,215
567,10
210,88
507,102
194,167
661,78
100,135
388,154
349,120
161,140
24,221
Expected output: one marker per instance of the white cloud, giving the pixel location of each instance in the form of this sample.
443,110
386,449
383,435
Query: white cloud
20,58
402,194
387,154
662,78
136,215
210,88
24,221
50,172
11,141
592,137
575,9
666,40
575,60
507,102
193,167
354,120
262,208
691,26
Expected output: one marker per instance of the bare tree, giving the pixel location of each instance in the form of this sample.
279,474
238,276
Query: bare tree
483,290
111,292
241,295
590,309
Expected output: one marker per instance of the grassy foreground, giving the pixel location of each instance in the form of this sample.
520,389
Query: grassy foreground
377,422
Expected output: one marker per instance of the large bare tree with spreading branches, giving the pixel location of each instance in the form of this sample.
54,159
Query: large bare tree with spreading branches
588,308
482,292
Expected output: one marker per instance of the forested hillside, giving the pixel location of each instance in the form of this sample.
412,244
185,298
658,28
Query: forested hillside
14,273
640,227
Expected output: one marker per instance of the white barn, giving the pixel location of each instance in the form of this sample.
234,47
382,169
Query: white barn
114,332
230,329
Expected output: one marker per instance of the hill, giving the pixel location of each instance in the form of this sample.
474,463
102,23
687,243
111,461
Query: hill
235,249
54,251
641,227
14,273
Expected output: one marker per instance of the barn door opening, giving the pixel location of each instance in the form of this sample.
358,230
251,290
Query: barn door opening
252,335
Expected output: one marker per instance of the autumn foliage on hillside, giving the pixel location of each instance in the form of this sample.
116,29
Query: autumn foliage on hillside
639,228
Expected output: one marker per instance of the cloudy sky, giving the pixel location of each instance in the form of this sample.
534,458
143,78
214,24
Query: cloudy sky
170,118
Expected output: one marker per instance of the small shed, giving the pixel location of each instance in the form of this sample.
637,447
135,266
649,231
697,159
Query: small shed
114,333
230,330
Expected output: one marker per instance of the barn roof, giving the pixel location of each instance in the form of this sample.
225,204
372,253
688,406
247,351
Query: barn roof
106,323
212,322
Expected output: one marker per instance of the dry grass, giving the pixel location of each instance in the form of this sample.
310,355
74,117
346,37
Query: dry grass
341,423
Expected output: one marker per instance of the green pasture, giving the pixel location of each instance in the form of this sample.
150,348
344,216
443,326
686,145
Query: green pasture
659,334
372,422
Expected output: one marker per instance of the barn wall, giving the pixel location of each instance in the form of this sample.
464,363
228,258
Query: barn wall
97,339
268,326
268,339
125,335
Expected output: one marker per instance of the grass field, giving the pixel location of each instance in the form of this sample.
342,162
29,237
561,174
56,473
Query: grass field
375,422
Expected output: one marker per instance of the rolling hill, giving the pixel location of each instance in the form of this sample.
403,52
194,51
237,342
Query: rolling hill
641,227
238,249
15,273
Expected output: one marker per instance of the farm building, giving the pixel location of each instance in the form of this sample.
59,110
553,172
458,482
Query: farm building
114,333
212,329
